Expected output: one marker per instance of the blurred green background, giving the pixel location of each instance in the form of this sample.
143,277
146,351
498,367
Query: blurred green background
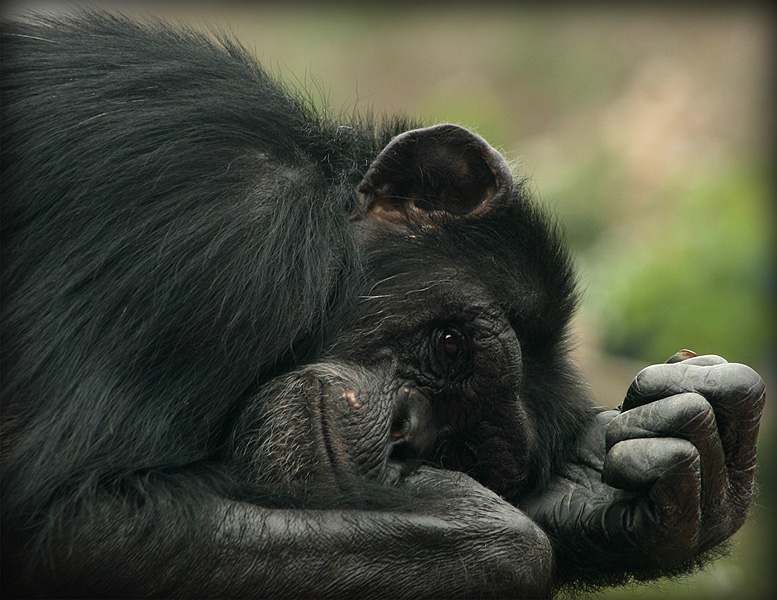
648,129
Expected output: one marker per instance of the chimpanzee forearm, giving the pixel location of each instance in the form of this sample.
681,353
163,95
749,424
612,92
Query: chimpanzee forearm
474,542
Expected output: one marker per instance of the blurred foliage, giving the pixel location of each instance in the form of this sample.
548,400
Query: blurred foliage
699,279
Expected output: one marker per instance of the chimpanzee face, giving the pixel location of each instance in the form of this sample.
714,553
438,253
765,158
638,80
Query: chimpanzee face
462,279
444,360
430,371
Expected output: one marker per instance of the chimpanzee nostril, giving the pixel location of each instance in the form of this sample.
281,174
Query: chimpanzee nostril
412,432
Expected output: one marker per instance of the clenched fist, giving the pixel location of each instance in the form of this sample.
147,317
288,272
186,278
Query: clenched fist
663,478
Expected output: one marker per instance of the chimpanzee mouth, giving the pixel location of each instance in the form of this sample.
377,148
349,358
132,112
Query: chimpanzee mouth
450,454
458,455
397,470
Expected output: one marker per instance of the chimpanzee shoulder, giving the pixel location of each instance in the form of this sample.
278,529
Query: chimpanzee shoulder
173,228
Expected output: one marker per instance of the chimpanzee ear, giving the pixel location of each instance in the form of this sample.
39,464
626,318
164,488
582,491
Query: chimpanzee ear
444,168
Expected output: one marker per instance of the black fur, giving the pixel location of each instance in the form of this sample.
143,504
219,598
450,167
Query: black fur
174,224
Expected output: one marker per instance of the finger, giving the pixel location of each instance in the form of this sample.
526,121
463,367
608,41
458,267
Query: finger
685,416
737,396
635,464
706,360
669,469
735,391
720,382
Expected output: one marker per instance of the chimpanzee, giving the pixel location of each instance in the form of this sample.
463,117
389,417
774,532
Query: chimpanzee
251,352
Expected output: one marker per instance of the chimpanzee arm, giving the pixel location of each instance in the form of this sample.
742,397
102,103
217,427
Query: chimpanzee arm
661,481
465,542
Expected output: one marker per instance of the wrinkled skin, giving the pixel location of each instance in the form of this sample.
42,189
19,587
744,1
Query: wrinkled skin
387,395
665,478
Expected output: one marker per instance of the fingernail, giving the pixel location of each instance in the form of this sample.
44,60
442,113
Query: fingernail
680,356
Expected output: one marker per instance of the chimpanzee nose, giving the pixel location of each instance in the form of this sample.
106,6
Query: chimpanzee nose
412,430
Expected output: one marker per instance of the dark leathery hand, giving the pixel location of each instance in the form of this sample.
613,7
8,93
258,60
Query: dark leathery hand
665,479
716,406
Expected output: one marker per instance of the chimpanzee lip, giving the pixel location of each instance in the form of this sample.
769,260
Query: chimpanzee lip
393,472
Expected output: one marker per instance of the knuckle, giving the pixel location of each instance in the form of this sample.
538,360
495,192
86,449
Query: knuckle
689,408
693,402
677,451
621,428
738,383
749,381
648,379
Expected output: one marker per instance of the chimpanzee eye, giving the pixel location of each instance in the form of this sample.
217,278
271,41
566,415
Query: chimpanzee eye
450,346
